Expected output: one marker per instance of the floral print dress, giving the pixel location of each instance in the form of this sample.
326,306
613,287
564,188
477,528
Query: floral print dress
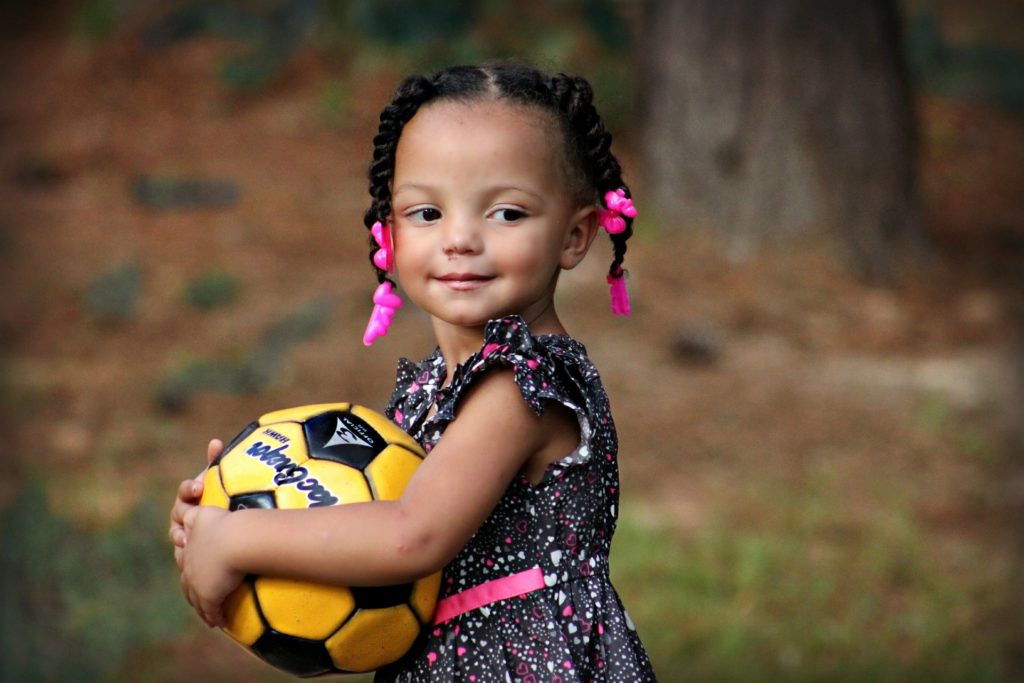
575,628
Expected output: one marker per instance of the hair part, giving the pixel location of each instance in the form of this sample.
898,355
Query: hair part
591,169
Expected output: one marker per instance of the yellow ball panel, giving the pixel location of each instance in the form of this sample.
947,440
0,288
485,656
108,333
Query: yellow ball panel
373,638
301,413
213,491
254,462
424,596
390,471
244,623
325,483
304,609
391,432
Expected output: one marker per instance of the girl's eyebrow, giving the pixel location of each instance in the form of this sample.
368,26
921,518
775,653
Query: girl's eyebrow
492,190
521,189
409,186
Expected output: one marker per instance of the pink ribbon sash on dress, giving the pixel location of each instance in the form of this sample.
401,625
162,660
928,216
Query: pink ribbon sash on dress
492,591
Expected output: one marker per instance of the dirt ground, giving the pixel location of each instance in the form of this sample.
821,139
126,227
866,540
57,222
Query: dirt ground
774,371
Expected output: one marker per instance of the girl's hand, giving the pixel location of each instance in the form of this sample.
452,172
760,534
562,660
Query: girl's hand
207,578
189,493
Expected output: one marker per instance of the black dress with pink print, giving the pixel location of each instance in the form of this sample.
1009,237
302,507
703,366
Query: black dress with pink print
574,628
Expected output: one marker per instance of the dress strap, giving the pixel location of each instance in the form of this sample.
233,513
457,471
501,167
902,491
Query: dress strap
494,590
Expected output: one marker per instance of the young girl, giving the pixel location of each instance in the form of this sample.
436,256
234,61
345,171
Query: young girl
487,182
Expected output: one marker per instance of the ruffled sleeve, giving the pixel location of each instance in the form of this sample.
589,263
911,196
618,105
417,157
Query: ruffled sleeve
541,372
415,384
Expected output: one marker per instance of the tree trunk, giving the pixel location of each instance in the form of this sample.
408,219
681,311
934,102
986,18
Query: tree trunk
773,119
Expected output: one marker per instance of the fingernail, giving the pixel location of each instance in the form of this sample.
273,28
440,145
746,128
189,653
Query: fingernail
195,489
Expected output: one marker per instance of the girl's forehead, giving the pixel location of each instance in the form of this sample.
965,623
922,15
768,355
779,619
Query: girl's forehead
478,134
487,143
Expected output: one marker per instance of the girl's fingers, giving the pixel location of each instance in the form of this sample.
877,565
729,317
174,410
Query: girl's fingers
213,449
189,518
204,616
193,599
188,495
214,615
191,490
205,611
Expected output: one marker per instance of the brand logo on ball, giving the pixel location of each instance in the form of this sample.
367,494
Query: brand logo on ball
289,472
349,433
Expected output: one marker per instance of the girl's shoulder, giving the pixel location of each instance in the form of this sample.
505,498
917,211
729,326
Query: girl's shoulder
545,367
548,367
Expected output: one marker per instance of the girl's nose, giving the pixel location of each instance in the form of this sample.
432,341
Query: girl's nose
461,236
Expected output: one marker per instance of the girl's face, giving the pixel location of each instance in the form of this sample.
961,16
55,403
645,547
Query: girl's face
483,220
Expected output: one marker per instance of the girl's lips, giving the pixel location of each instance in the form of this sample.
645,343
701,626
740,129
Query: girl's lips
464,281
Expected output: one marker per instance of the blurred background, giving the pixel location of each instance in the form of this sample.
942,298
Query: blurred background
818,394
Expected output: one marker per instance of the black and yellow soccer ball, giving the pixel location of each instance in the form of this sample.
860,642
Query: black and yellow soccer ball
315,456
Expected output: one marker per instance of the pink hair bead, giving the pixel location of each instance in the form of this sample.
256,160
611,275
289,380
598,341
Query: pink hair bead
385,304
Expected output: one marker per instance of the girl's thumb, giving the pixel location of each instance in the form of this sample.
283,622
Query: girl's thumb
213,449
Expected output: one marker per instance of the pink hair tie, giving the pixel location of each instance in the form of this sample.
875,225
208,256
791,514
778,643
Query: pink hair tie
385,304
383,258
620,295
619,205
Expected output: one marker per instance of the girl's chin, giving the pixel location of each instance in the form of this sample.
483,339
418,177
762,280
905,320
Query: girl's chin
469,319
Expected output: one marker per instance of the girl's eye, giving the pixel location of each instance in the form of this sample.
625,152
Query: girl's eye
509,215
425,215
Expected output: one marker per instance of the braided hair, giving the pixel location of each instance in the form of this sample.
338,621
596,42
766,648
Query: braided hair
593,169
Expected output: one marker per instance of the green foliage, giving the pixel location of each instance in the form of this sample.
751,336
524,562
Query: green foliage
115,295
411,35
199,375
989,72
408,23
251,71
211,289
252,373
809,600
602,17
77,602
614,95
96,19
271,31
934,411
165,193
336,101
937,414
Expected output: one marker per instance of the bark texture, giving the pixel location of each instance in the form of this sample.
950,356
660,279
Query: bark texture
773,119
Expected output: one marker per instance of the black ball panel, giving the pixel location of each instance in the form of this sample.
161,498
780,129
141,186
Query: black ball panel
377,597
344,438
297,656
247,501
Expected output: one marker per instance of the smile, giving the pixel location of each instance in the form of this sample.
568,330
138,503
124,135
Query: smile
464,281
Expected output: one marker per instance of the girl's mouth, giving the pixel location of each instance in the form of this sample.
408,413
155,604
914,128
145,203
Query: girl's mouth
464,281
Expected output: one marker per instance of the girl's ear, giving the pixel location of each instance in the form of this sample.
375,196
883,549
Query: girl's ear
582,231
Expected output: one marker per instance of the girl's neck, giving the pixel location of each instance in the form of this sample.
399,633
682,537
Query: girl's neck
457,343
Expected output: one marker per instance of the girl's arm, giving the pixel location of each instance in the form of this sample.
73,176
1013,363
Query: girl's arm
383,542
